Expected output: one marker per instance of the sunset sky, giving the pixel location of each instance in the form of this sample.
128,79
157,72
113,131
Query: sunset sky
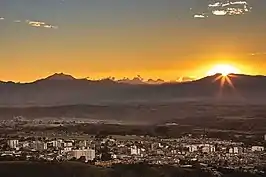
164,39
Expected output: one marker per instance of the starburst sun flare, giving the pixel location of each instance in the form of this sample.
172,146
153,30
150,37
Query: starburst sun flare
223,69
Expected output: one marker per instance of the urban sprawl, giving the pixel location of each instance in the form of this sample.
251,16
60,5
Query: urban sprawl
187,151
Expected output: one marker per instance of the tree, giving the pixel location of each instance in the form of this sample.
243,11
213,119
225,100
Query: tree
82,159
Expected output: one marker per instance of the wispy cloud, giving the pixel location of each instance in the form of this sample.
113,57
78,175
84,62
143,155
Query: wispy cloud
17,21
200,16
226,8
257,53
50,26
33,23
41,24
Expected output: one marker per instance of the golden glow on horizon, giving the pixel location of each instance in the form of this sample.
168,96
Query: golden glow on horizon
224,69
167,70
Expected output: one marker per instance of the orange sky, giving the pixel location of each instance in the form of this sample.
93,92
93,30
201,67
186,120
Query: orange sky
152,38
26,72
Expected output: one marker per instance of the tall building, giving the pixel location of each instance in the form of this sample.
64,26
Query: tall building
89,154
12,144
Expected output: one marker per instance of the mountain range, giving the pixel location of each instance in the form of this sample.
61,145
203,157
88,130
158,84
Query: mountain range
62,89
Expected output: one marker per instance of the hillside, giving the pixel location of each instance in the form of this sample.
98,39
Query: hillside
66,90
15,169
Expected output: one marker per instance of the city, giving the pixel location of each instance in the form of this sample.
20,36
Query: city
132,88
188,151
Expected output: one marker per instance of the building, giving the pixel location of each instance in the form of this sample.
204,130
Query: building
257,148
89,154
56,143
231,150
134,150
235,150
66,149
208,148
68,144
192,148
39,145
13,143
83,144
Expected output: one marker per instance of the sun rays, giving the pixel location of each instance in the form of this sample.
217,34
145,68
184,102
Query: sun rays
225,79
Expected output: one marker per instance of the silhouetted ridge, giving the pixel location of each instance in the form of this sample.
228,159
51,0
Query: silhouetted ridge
62,89
60,76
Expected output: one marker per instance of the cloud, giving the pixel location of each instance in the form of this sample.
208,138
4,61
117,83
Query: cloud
199,16
185,79
41,24
219,12
50,26
226,8
32,23
257,53
231,7
36,23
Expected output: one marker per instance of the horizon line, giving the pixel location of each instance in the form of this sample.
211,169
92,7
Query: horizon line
181,79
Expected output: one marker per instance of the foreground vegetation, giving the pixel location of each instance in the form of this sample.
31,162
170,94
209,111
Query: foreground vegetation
75,169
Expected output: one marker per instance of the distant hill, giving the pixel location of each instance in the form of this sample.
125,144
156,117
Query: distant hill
60,76
61,89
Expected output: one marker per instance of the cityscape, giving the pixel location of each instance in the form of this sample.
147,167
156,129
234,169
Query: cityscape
132,88
188,151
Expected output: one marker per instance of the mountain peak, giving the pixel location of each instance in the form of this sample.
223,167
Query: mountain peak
60,76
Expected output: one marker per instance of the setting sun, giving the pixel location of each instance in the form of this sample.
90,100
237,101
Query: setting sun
223,69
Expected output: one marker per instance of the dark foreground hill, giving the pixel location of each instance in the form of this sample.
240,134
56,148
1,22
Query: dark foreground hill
66,90
19,169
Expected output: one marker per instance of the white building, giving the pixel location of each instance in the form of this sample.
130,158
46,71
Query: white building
192,148
89,154
13,143
56,143
134,150
68,144
257,148
39,145
235,150
208,148
66,149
